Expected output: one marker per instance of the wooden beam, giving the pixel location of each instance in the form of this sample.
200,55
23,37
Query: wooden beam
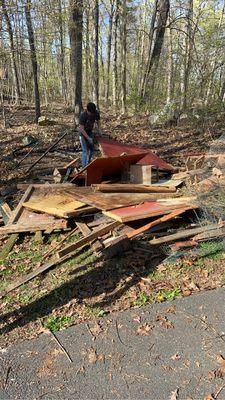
183,234
17,228
88,239
133,188
71,163
158,221
85,230
17,212
8,246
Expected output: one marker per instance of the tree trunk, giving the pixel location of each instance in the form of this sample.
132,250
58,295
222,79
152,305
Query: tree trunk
96,63
187,53
115,49
151,35
76,36
124,57
33,59
62,53
12,48
109,52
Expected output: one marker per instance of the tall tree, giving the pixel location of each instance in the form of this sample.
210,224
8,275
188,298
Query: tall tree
96,55
124,55
76,37
12,48
33,59
162,7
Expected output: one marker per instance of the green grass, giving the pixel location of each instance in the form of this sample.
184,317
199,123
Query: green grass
94,311
164,295
213,250
56,323
141,300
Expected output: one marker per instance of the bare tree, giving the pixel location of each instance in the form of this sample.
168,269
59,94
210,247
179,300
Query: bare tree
33,59
12,48
76,37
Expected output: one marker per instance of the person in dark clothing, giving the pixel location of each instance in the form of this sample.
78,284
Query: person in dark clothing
87,121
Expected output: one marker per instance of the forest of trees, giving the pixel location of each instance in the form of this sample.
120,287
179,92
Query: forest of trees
126,54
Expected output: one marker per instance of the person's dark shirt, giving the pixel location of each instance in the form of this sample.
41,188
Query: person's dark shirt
88,121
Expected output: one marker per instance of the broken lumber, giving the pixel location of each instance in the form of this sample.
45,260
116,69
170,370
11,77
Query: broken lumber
158,221
132,188
17,228
8,246
68,251
85,230
71,163
88,239
219,232
183,234
18,210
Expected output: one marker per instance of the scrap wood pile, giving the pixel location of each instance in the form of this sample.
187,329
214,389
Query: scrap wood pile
117,198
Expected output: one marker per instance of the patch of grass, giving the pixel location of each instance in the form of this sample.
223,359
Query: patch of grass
25,298
95,311
56,323
213,250
141,300
164,295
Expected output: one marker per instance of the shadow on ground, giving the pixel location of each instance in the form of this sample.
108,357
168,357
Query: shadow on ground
105,279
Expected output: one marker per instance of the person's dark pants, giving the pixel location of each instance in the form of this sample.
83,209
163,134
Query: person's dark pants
87,150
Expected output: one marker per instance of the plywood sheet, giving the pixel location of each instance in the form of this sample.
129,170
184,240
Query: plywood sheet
141,211
108,167
59,205
113,148
107,201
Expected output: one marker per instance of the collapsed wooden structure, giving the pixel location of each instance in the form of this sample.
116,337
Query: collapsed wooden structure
108,211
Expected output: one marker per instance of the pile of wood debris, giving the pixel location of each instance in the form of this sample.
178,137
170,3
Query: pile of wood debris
124,194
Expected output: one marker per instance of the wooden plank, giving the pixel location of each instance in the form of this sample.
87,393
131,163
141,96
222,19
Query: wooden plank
217,233
18,210
183,234
72,163
17,228
24,186
80,211
85,230
107,201
133,188
158,221
141,174
8,246
141,211
38,238
88,239
5,211
58,205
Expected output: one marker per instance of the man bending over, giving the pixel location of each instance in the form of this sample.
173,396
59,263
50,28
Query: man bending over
87,121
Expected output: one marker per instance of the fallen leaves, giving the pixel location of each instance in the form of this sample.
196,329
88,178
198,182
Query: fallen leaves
174,395
144,329
93,357
175,357
164,322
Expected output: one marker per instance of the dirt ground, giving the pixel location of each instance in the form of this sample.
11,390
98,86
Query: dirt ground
87,287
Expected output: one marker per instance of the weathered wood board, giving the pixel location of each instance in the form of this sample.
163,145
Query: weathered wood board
141,211
107,201
59,205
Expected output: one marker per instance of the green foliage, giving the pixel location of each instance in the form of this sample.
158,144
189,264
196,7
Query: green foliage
56,323
95,311
141,300
169,295
213,250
